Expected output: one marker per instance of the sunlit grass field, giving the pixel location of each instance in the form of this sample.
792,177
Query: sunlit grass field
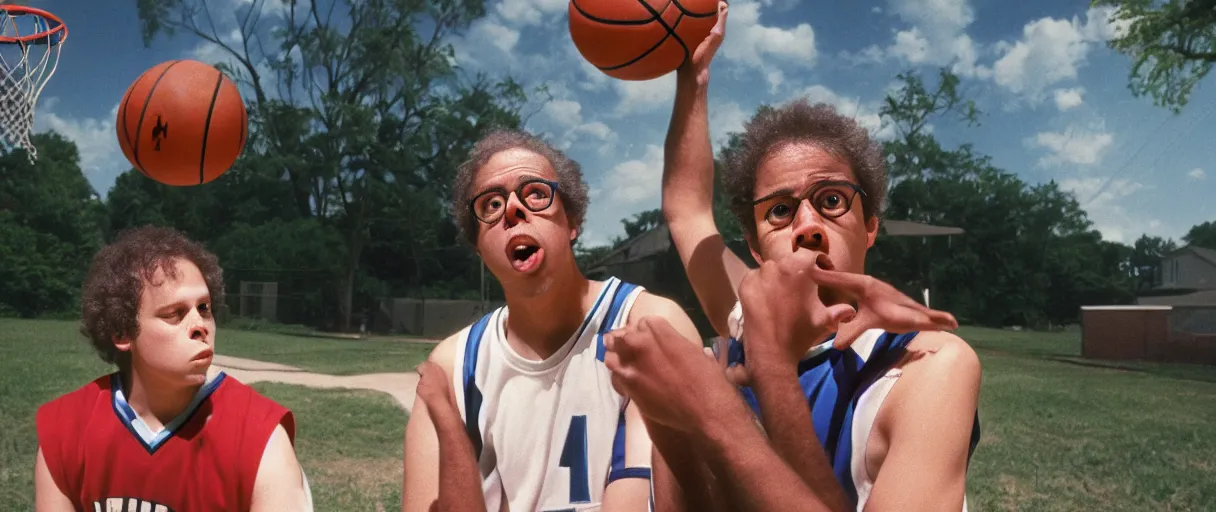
1059,432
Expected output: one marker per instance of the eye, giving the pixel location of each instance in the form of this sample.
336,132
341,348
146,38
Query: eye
204,308
780,213
490,204
831,201
536,194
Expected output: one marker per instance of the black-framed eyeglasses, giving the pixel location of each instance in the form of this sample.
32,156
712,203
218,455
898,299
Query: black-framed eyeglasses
535,194
831,198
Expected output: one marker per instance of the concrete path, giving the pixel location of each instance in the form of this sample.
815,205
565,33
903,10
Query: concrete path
400,386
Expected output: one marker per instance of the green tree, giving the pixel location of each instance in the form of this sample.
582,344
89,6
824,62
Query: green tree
1147,252
357,104
50,226
1201,235
1172,45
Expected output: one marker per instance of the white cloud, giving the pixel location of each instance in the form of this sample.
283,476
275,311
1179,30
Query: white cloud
628,188
1196,174
530,12
487,42
1106,205
936,36
866,114
724,119
1074,146
1068,99
752,45
1050,52
101,158
644,96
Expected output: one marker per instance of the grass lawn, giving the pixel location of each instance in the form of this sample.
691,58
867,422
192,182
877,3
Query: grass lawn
1059,432
349,442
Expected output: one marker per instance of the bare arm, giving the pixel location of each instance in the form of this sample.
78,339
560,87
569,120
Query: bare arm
688,183
421,480
280,481
760,480
787,421
47,496
929,427
681,479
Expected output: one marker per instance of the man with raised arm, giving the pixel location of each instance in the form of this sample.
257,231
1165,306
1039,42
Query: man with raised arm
866,402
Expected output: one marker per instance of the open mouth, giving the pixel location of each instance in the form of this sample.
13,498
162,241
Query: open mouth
524,253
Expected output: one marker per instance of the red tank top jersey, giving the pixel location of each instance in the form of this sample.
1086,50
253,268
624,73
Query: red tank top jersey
206,459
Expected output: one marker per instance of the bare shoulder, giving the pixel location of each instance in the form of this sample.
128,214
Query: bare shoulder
649,305
444,354
935,351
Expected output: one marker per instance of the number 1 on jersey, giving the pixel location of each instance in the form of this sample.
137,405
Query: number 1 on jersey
574,458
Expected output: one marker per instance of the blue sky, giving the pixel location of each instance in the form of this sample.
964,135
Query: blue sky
1055,97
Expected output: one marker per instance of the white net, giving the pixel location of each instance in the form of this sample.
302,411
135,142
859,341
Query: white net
30,42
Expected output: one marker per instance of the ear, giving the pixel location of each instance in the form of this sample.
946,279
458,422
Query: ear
871,231
573,234
122,343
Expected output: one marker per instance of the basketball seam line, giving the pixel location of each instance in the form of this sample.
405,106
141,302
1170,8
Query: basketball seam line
144,111
126,129
202,160
649,51
658,16
693,14
611,22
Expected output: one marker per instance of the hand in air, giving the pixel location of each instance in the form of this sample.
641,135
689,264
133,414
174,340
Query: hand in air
698,65
880,306
669,378
783,314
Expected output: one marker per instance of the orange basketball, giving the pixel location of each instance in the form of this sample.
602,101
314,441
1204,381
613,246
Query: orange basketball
640,39
182,123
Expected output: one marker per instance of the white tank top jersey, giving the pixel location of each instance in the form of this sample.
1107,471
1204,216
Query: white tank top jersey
845,389
549,435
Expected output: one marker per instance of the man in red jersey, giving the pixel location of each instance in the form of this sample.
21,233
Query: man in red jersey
167,432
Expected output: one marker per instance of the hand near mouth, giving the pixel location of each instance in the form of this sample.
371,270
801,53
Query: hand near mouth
879,306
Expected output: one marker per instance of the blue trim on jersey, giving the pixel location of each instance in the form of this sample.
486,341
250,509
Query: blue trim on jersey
472,395
832,381
618,446
618,301
620,474
129,419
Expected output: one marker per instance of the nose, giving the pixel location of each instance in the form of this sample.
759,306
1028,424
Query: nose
515,212
809,230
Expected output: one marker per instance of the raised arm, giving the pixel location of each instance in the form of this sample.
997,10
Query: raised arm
688,184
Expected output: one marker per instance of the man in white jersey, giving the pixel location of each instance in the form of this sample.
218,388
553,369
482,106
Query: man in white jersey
546,428
837,362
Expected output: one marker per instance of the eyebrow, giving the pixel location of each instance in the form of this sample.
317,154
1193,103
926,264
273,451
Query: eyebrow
777,193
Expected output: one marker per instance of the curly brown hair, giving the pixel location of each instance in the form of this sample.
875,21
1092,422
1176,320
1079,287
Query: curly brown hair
819,125
115,284
571,188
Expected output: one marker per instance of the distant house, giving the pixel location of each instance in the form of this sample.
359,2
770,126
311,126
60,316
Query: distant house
1187,278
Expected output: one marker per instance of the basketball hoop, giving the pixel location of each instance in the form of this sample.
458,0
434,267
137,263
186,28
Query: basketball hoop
30,39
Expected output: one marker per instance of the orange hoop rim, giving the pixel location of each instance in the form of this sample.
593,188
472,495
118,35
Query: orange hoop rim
45,34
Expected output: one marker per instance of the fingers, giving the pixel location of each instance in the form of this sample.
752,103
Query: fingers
738,375
851,284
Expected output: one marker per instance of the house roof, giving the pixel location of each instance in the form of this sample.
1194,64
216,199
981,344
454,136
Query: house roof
649,243
910,228
1199,298
1203,253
